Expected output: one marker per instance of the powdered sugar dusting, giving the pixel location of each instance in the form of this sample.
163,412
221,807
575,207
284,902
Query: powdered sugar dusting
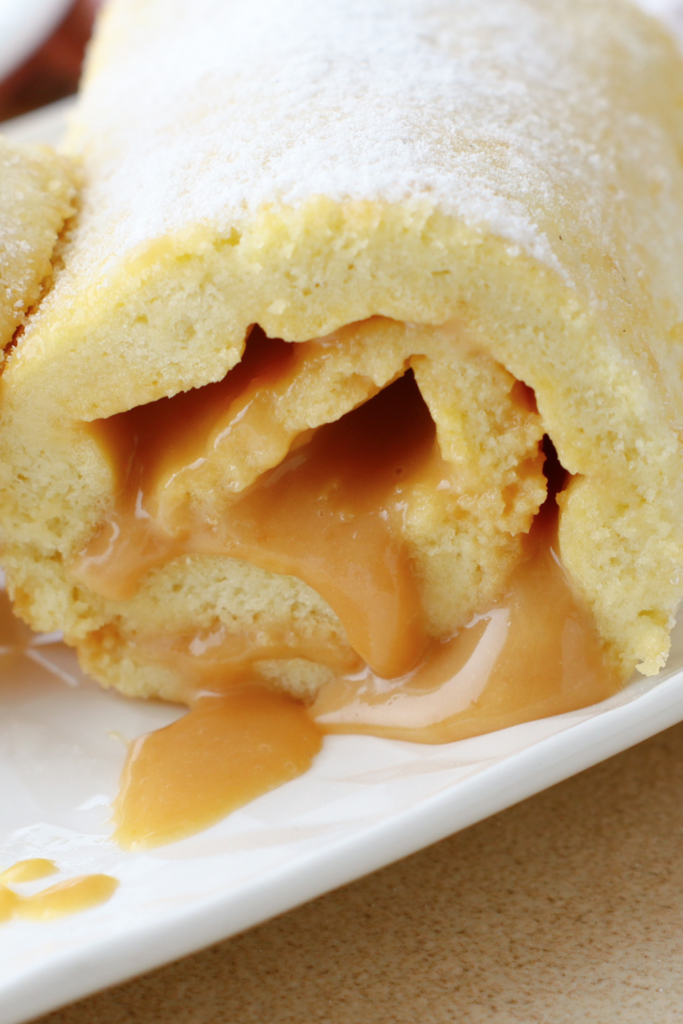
16,270
34,200
203,111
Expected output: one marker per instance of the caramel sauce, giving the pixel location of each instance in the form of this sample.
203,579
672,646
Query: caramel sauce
65,898
227,751
150,446
537,653
8,901
213,659
160,452
14,634
330,511
330,514
28,871
60,900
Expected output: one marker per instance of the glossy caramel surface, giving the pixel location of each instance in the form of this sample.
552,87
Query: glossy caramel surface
330,513
226,751
537,653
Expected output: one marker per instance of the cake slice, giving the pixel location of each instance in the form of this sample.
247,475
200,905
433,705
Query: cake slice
338,272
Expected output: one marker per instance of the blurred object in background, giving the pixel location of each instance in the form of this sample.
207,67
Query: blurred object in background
31,77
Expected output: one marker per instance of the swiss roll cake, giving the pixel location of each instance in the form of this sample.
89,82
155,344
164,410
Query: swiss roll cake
360,379
37,193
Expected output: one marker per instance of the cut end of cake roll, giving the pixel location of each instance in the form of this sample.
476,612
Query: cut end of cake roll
296,374
37,197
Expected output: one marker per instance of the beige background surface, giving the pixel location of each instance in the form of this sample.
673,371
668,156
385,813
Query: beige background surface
566,908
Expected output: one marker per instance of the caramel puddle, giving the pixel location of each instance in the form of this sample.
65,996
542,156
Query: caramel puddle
225,752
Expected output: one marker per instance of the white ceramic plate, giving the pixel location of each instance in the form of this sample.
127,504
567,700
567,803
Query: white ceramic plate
365,803
24,25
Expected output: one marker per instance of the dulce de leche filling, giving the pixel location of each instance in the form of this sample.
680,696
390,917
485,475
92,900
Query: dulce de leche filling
329,511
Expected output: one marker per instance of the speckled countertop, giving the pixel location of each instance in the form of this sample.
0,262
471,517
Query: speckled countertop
566,908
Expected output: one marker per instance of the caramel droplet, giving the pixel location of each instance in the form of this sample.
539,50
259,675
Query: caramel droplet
28,870
70,897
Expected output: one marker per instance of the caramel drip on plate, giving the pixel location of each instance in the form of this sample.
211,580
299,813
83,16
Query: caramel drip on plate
63,898
60,900
227,751
28,870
